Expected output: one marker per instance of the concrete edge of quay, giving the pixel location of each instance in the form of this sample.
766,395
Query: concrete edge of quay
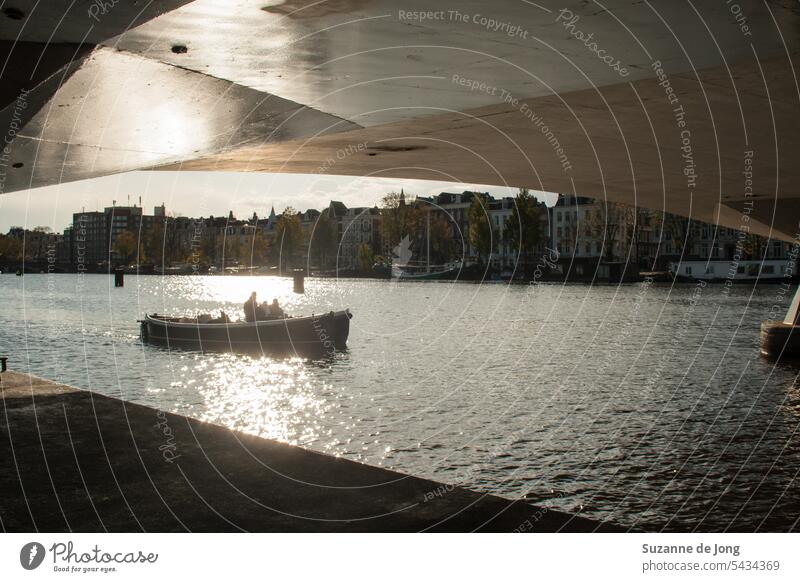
76,460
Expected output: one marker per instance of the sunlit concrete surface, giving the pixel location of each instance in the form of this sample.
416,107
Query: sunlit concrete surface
72,460
122,112
37,39
376,61
506,93
627,150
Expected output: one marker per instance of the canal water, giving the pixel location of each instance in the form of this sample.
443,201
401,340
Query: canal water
645,405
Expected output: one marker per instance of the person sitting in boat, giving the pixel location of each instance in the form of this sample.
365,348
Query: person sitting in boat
271,310
252,310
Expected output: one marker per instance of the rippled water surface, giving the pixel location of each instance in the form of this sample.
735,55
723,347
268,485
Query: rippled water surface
645,405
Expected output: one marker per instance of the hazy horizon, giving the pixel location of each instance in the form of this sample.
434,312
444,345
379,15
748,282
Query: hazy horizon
214,193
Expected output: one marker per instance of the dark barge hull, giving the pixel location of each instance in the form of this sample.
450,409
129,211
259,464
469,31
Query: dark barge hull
323,333
780,340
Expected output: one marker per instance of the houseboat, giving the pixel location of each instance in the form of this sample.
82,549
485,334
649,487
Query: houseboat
731,270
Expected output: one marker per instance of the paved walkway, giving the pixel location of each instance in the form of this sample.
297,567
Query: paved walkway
76,460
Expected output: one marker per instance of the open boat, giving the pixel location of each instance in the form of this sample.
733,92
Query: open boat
315,333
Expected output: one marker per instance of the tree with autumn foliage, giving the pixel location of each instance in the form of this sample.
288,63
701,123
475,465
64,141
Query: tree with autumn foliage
288,239
482,236
613,223
399,218
324,239
126,246
523,229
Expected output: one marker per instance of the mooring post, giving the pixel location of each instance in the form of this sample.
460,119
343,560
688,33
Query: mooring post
782,338
299,281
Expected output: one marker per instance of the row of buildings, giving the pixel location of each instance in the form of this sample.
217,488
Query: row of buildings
584,231
121,235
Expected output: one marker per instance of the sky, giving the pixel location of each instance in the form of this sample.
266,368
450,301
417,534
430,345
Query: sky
214,194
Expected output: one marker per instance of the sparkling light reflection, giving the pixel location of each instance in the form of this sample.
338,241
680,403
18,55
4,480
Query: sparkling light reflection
258,395
228,293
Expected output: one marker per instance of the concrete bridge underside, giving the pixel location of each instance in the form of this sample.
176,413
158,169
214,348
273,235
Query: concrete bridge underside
687,107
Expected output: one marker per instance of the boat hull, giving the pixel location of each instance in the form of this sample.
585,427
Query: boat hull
325,333
448,275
